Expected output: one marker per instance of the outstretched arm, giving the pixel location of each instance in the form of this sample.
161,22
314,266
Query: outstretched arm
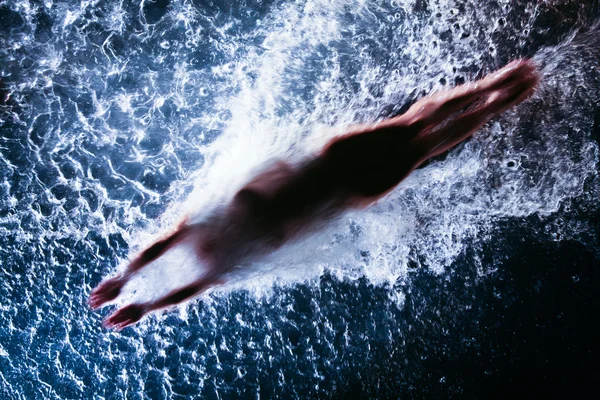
134,312
110,289
156,250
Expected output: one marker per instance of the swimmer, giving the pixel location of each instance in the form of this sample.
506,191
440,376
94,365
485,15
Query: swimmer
353,170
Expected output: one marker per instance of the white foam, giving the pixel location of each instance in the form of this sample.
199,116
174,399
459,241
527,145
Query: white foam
438,209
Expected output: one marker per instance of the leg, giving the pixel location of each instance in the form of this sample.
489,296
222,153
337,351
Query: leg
110,289
440,106
370,162
439,138
134,312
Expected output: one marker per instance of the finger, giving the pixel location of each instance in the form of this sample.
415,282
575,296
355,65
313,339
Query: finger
94,301
123,323
108,322
114,319
117,324
119,327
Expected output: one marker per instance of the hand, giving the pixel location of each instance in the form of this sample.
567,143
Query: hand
124,317
106,291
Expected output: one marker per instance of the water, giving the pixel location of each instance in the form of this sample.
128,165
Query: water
475,278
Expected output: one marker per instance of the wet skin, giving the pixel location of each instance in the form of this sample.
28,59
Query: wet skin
353,170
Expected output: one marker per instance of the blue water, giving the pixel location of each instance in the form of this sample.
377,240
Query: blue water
476,278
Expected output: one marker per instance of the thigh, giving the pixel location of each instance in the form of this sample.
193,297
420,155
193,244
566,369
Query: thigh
371,163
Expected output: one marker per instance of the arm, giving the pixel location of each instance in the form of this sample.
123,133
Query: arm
179,295
111,288
134,312
156,250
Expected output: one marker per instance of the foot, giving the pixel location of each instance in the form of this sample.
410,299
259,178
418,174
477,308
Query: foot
124,317
106,291
512,74
519,87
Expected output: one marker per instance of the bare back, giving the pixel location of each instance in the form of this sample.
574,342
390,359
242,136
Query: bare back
286,201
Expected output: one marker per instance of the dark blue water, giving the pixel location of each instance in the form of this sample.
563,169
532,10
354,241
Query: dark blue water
476,278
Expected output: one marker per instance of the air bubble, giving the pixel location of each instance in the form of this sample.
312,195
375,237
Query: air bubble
512,164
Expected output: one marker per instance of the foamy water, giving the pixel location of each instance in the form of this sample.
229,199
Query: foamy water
118,119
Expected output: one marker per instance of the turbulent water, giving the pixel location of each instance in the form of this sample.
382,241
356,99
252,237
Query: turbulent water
476,277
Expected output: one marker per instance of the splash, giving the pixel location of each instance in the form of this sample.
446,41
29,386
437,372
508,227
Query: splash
118,118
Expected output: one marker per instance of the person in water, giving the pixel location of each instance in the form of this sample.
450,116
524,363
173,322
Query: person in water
353,170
